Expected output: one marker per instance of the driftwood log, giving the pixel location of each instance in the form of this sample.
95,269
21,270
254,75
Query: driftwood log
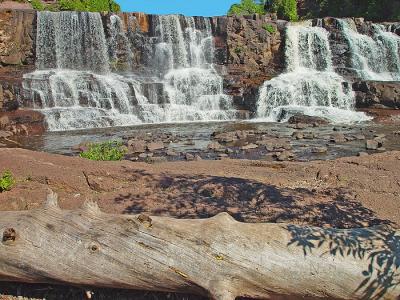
217,257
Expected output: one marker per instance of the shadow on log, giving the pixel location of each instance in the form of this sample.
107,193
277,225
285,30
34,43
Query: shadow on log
217,257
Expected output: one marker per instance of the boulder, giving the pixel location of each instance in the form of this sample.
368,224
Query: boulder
377,94
214,146
338,138
249,146
152,146
304,119
320,149
136,146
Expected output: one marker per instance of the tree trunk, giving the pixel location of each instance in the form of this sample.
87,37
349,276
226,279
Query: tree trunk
217,257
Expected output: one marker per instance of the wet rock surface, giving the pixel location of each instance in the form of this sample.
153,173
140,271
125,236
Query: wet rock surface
240,140
377,94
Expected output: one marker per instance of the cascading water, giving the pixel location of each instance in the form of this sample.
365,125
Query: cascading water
185,58
75,88
375,57
310,85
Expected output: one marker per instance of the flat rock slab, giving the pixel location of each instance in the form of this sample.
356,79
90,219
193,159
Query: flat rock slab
347,192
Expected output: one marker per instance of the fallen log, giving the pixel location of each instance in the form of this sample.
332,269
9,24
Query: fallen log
217,257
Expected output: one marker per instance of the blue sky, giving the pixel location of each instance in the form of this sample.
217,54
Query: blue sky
185,7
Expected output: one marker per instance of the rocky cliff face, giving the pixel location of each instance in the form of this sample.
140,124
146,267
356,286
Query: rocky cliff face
17,54
248,51
375,94
17,37
254,53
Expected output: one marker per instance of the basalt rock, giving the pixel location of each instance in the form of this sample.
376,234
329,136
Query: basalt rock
22,122
376,94
17,32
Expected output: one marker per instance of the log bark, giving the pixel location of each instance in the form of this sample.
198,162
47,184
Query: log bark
217,257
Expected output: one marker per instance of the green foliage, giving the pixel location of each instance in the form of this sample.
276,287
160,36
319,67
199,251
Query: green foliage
238,50
247,7
285,9
7,181
37,4
270,28
375,10
89,5
104,151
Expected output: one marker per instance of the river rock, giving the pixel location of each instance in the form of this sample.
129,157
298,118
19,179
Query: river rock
249,147
171,153
155,146
304,119
298,135
5,134
285,155
189,157
377,94
338,138
226,137
136,146
372,145
158,159
319,149
214,146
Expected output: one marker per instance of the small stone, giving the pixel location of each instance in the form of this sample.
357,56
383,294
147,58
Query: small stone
136,146
189,143
362,154
189,156
249,147
143,155
214,146
359,137
338,138
171,153
228,151
4,121
309,136
223,155
155,146
5,134
158,159
299,126
298,135
197,157
319,150
372,145
285,155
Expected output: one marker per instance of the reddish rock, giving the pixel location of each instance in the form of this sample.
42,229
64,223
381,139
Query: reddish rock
23,122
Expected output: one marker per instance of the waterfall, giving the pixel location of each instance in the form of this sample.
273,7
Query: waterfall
185,58
373,57
71,40
310,84
75,88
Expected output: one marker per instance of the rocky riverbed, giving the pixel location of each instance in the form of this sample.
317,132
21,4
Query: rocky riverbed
301,139
343,193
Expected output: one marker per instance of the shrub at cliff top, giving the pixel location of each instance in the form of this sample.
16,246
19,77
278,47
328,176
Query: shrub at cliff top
286,9
375,10
77,5
89,5
247,7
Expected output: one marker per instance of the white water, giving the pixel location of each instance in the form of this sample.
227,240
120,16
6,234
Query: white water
310,85
75,88
193,86
375,57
